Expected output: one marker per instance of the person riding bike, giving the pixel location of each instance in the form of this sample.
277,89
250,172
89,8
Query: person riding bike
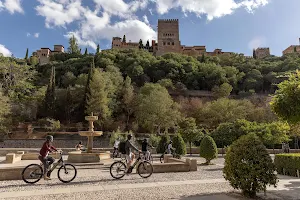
44,155
145,150
129,154
170,149
116,147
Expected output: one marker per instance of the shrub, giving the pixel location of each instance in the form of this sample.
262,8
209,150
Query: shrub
248,166
179,144
117,134
287,164
208,149
162,143
154,140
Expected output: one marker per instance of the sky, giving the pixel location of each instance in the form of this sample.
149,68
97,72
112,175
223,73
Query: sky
232,25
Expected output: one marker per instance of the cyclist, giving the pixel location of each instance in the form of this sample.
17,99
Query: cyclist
170,149
44,155
116,147
129,154
145,150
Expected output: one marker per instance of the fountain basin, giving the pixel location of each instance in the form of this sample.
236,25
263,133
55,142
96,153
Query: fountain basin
90,133
84,157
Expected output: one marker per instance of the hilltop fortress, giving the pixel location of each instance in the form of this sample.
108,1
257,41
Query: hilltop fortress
168,41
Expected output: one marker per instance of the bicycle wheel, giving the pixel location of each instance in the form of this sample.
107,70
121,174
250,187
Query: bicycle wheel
145,169
151,159
161,158
118,167
66,173
32,173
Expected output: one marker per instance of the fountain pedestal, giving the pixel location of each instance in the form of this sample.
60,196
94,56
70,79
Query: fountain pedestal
90,155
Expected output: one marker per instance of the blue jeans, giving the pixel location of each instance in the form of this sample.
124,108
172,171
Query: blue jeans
47,161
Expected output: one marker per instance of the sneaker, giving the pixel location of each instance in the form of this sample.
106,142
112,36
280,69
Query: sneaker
47,178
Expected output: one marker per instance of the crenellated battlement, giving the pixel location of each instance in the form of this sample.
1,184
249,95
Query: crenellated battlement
168,20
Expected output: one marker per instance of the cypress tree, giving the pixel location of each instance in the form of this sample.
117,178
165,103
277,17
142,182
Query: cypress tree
124,39
26,56
86,52
141,46
98,49
254,54
147,44
49,101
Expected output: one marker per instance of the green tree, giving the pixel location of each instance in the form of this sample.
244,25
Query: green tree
124,39
128,99
208,149
86,52
223,91
167,83
5,110
284,102
73,46
97,96
147,45
26,55
68,79
49,101
141,46
248,166
34,60
179,144
190,131
164,140
254,54
156,109
98,49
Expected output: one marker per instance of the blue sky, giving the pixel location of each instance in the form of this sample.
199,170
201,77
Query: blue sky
232,25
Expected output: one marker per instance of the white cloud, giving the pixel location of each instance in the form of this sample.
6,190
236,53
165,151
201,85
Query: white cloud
11,6
257,42
211,8
5,51
28,34
146,19
36,35
60,12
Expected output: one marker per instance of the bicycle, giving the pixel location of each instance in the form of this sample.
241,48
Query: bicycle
36,172
144,168
174,154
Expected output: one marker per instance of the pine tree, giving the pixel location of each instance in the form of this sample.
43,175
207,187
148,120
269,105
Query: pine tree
26,56
141,46
49,101
147,45
203,58
86,52
124,39
98,49
73,48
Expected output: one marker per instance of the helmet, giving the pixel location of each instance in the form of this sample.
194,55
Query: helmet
49,138
171,142
129,136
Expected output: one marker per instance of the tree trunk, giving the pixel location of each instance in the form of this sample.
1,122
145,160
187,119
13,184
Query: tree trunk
127,122
190,148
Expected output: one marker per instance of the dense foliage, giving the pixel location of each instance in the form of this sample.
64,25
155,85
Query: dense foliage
163,142
208,149
179,144
287,164
248,166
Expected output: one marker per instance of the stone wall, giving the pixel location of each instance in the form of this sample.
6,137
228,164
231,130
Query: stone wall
59,143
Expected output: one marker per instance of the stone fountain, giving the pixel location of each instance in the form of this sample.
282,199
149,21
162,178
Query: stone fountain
90,156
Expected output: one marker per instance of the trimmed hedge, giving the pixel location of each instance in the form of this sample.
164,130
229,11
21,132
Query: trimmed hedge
179,144
287,164
208,149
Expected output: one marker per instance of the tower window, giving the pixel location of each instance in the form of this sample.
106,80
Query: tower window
168,43
173,43
164,43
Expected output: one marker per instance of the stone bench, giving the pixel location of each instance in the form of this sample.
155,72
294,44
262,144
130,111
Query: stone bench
35,156
11,173
14,157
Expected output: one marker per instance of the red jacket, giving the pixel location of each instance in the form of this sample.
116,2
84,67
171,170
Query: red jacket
47,147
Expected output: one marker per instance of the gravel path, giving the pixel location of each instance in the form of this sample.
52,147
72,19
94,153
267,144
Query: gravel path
167,192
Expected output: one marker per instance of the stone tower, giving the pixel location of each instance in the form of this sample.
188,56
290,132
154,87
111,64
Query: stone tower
168,36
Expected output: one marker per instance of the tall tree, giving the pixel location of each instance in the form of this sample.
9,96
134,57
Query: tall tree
26,55
147,45
5,110
97,96
254,54
98,49
141,46
124,39
49,101
73,46
86,52
127,98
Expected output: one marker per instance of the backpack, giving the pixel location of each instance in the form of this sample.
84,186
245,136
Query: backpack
122,149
